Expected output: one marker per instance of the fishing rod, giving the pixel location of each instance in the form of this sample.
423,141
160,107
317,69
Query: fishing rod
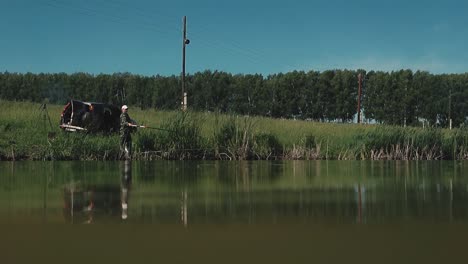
157,128
70,127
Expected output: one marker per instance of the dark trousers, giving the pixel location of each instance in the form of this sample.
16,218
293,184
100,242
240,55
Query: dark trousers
126,145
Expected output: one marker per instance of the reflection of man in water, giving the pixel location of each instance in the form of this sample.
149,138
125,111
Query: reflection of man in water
125,184
126,128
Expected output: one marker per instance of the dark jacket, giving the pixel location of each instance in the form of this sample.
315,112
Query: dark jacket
124,120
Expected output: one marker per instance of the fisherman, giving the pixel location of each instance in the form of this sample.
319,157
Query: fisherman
126,128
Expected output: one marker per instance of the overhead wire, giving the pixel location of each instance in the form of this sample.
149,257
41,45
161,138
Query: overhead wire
201,40
228,45
113,18
142,12
237,45
258,55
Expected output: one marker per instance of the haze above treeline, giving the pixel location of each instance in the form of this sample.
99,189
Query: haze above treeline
400,97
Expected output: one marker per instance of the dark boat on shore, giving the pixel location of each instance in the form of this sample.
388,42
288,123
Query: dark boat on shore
90,117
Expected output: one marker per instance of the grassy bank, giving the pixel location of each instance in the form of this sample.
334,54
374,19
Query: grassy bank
25,133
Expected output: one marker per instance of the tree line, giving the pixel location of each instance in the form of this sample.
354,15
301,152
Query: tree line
399,97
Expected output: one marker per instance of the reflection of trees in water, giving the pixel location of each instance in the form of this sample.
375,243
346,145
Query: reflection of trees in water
192,192
312,192
357,204
242,174
171,173
146,171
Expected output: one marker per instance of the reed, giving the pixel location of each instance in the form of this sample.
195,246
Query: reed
232,138
180,138
266,146
398,143
455,144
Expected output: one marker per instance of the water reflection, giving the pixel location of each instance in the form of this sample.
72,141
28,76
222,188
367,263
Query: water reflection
235,192
84,202
184,208
360,190
125,186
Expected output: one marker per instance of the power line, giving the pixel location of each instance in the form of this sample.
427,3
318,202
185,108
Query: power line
236,50
112,18
229,46
254,54
142,13
236,45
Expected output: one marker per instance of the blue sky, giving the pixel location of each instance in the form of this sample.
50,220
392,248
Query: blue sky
145,37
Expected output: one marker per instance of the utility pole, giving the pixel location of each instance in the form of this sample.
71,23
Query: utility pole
359,100
185,41
450,109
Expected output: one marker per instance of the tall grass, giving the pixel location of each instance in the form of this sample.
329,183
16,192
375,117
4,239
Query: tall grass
455,144
266,146
25,133
398,143
233,138
178,138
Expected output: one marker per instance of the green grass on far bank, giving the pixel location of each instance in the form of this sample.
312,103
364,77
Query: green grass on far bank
25,133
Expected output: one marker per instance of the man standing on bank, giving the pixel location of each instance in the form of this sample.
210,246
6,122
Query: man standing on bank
126,127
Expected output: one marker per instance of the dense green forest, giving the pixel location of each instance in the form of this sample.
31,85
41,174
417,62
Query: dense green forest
398,98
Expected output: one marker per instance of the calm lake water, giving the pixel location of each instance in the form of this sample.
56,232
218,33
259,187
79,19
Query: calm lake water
231,212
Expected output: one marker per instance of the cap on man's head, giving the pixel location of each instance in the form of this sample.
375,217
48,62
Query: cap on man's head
124,107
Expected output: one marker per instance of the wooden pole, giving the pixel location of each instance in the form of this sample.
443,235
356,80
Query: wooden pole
359,100
184,42
450,109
